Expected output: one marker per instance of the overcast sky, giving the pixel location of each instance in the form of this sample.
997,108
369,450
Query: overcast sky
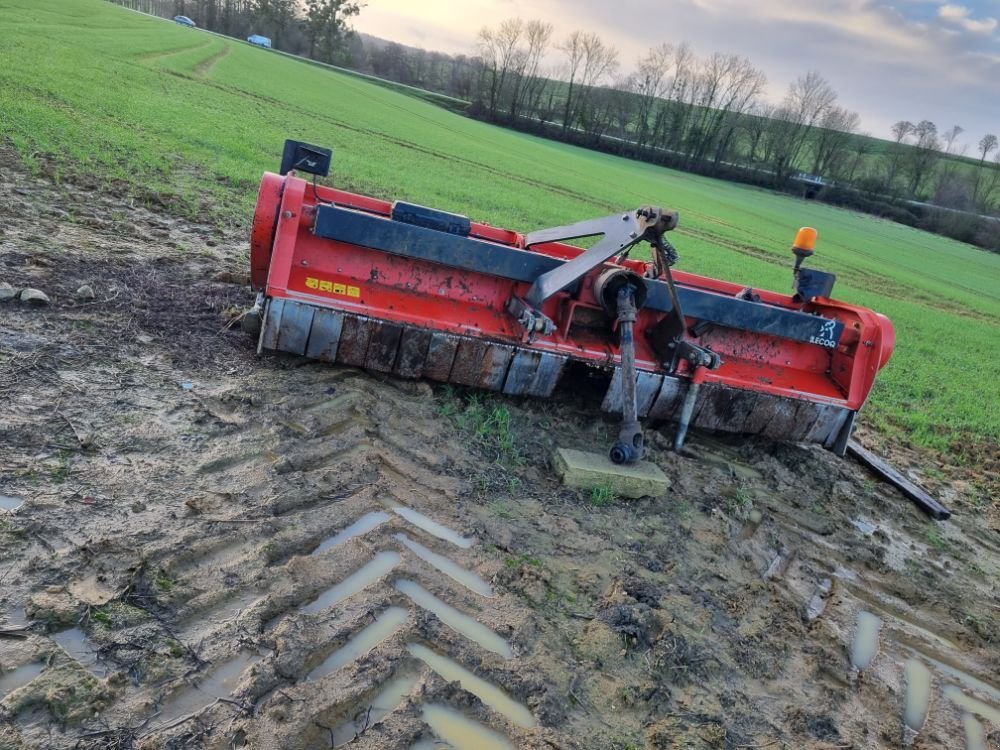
889,61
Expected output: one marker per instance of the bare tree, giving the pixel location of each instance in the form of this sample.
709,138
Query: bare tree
920,159
807,102
755,125
670,124
649,84
900,132
987,145
527,81
832,139
588,60
862,146
499,50
991,186
732,85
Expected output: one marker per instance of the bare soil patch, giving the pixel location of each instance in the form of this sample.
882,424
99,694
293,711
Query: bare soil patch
209,549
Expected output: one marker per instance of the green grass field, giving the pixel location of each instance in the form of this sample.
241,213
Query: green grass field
180,117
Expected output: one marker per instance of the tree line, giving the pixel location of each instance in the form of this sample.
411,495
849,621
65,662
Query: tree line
318,29
706,114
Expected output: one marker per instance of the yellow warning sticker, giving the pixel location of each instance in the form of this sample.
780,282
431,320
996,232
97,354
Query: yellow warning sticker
341,290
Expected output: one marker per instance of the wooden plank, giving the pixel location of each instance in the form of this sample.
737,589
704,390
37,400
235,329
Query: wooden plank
918,495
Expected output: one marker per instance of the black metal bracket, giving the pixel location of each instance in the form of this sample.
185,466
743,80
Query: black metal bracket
303,157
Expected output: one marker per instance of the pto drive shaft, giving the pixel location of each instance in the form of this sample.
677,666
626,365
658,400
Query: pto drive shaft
629,447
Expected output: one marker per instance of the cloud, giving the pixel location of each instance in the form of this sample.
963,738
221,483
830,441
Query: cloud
959,14
953,12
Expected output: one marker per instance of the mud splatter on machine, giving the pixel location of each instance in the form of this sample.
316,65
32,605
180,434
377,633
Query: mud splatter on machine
422,293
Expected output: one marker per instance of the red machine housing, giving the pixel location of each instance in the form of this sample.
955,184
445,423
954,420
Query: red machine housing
761,373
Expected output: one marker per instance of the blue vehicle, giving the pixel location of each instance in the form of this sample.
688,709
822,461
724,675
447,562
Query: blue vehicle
184,21
260,41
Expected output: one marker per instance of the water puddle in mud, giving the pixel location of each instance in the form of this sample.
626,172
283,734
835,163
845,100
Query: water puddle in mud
385,625
451,569
976,684
865,527
382,704
456,620
972,705
376,568
892,611
975,737
10,503
75,643
15,618
429,745
363,525
844,574
19,677
218,683
918,694
865,645
461,732
488,693
433,527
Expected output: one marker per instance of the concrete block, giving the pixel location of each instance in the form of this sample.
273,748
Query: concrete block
588,470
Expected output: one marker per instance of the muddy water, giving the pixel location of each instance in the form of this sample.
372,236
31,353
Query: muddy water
973,705
456,620
865,645
10,503
363,525
14,618
918,694
77,645
975,737
385,625
19,677
379,566
973,682
451,569
218,683
865,526
388,698
487,692
433,527
461,732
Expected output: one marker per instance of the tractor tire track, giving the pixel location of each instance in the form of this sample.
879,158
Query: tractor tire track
154,56
215,549
202,69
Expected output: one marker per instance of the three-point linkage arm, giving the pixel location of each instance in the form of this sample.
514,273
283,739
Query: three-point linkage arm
620,232
621,293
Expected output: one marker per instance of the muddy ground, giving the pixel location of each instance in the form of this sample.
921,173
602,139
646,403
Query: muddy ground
207,549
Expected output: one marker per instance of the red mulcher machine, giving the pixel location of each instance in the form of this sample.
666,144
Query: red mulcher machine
421,293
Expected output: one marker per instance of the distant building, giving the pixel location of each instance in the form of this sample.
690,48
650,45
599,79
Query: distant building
260,41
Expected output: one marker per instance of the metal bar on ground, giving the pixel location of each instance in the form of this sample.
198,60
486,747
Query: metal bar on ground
925,502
